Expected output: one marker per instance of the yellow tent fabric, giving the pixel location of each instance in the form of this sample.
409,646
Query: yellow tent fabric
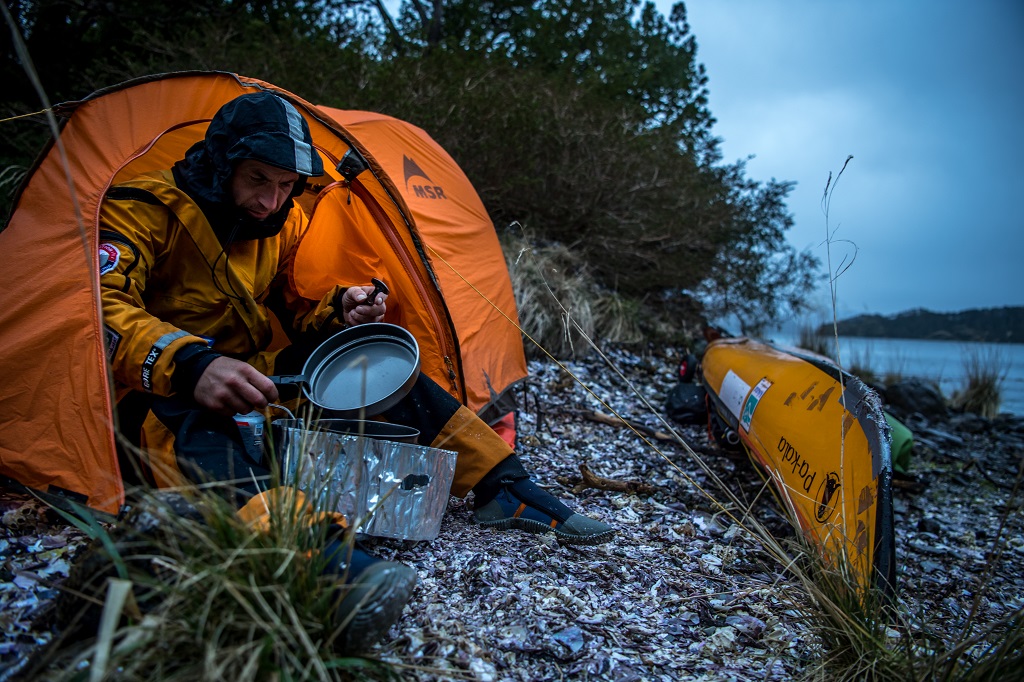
441,260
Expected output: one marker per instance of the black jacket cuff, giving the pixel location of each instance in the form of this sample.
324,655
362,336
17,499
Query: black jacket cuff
189,364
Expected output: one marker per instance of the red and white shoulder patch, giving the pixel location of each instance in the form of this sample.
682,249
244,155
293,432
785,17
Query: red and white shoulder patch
109,257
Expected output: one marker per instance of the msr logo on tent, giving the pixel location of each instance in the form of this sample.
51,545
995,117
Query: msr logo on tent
412,170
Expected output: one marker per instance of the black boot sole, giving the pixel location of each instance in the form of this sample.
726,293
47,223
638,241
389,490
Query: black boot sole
531,526
373,604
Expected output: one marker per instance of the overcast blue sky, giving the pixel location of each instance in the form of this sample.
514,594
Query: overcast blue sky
928,97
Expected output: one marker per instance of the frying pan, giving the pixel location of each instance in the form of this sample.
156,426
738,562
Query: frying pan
361,371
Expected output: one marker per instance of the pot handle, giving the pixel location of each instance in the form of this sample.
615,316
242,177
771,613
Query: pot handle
296,379
282,408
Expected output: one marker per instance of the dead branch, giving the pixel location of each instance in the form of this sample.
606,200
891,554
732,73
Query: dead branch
611,420
592,480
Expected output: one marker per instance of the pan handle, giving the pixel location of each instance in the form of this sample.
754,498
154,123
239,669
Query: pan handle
296,379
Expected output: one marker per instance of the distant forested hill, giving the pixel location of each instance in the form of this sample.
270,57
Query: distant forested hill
994,325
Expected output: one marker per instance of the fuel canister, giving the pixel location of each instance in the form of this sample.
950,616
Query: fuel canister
250,427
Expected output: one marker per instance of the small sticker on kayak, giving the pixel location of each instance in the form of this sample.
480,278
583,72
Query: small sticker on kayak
752,400
734,390
109,256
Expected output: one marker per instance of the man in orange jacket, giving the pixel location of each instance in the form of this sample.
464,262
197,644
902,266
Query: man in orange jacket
193,269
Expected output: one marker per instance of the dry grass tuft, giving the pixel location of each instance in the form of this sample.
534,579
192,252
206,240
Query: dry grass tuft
617,318
182,589
561,306
854,624
864,636
862,366
985,369
811,338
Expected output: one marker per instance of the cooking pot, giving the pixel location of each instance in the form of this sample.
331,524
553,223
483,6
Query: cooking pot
361,371
282,428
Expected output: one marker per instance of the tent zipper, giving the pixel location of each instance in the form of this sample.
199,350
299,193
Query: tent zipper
452,376
445,331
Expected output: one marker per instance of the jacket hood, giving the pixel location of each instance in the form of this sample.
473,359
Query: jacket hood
260,126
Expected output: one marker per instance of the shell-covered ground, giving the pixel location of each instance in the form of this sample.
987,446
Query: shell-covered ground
682,591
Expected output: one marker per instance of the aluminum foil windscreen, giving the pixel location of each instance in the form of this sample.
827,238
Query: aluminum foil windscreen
384,488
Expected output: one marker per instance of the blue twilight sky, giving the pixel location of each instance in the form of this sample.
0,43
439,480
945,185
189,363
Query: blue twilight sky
928,97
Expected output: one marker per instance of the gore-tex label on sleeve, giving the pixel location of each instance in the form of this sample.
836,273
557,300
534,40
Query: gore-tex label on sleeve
113,340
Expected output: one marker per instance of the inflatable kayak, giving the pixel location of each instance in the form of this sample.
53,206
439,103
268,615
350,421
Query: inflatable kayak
821,437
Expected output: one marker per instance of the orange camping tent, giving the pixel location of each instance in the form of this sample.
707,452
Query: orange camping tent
399,209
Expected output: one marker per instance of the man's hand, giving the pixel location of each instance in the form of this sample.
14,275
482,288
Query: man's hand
357,309
230,386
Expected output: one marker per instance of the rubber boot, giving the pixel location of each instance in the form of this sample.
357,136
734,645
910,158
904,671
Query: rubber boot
480,448
506,498
374,593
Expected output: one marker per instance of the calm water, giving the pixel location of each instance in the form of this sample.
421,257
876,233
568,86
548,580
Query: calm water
942,361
